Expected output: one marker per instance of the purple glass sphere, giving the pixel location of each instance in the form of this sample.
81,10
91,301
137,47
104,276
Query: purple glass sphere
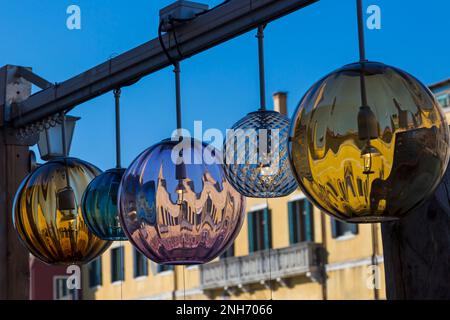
180,212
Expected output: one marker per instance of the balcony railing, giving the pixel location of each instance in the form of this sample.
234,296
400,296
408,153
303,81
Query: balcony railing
262,266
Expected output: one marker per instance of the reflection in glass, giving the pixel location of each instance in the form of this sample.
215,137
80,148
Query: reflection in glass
47,213
180,212
373,180
99,206
256,158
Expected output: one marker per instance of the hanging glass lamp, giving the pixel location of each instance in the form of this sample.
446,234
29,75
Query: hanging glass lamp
99,203
372,163
369,142
47,213
176,206
256,160
180,212
99,206
256,157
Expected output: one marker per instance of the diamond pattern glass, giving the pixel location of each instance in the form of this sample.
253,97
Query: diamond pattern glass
256,161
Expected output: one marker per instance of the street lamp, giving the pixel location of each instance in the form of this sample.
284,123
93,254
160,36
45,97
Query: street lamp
50,142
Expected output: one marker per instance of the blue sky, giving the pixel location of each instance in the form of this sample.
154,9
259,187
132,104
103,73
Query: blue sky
219,86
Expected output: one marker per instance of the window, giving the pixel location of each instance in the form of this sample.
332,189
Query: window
95,273
342,229
117,264
228,253
259,230
140,264
444,100
61,291
163,268
301,221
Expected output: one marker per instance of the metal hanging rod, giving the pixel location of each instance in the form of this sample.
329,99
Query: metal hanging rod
361,38
262,70
206,31
177,71
362,51
117,93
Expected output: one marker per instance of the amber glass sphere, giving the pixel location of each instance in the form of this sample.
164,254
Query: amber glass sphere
376,179
99,206
47,213
180,212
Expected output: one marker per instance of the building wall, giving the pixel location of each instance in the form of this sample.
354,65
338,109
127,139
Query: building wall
347,272
42,279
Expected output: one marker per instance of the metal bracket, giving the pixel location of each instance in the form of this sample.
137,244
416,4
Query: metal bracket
316,275
244,288
29,75
283,282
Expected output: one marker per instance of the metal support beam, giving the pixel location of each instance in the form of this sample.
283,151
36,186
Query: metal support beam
206,31
28,75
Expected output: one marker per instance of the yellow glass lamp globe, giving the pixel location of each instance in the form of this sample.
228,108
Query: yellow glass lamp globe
385,175
47,213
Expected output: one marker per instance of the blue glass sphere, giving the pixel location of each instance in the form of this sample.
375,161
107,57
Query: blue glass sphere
256,158
99,206
176,205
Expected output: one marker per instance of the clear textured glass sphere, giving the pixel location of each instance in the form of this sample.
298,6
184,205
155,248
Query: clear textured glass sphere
256,160
47,213
99,206
180,212
374,180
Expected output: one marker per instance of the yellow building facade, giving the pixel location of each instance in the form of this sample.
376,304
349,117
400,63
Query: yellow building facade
347,264
287,249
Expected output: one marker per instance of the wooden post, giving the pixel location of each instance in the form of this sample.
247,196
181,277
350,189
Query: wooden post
14,166
417,250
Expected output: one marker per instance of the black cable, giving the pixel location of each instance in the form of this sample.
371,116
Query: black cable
163,46
176,70
177,45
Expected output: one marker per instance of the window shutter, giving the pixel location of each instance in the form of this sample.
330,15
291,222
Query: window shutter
251,247
291,223
354,228
334,230
98,271
308,221
267,229
145,266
